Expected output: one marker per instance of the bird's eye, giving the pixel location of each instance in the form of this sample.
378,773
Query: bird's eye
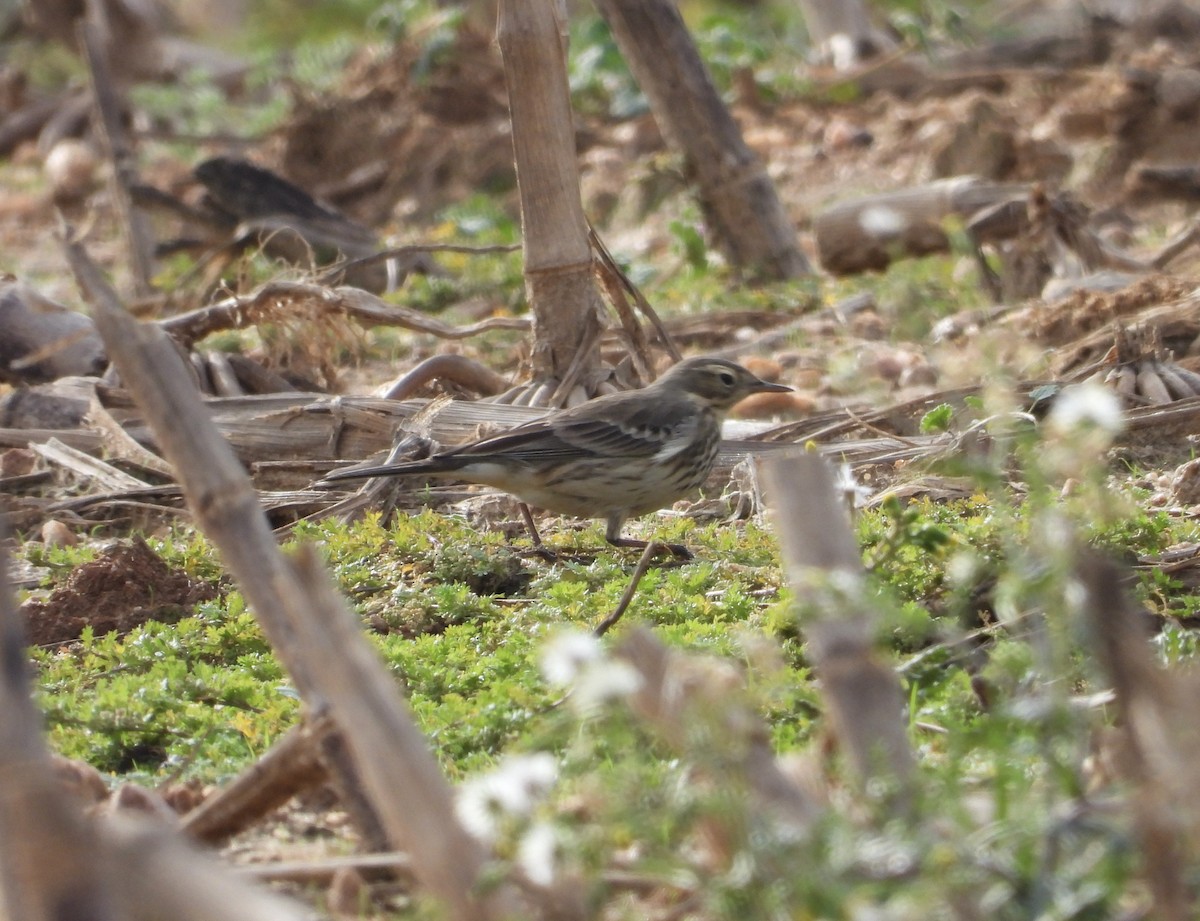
727,378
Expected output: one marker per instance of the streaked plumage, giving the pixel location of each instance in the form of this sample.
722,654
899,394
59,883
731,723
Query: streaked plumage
615,457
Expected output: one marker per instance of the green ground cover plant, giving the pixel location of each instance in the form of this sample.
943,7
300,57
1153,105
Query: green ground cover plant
975,601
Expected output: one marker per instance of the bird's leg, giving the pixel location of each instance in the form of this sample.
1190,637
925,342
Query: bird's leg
653,549
538,547
530,525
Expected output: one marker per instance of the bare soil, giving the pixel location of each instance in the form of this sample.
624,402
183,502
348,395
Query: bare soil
126,585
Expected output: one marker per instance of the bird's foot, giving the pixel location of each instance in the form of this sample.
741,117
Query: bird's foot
678,550
543,553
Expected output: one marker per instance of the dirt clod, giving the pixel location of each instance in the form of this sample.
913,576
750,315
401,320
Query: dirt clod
125,586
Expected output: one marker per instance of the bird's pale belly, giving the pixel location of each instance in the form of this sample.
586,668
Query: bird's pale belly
606,491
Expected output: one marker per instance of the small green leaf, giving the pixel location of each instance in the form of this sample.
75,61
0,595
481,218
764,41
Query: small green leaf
937,419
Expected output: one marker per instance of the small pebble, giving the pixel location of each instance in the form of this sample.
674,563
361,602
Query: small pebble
765,368
57,534
71,168
768,405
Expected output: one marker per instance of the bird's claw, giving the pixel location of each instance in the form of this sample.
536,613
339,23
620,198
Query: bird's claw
677,550
680,551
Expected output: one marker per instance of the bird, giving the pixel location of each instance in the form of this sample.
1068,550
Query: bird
615,457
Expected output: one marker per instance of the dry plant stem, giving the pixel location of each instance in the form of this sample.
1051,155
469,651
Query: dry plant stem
22,438
1161,741
638,345
139,237
366,308
322,870
569,391
117,442
291,766
49,864
609,266
562,293
863,696
220,372
1186,239
748,220
653,549
300,613
346,779
459,369
397,864
91,470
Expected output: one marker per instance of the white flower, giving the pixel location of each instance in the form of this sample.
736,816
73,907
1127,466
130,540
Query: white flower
602,681
478,809
513,788
567,654
576,660
537,853
1087,405
527,778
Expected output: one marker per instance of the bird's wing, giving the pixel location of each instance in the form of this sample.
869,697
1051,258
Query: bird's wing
605,428
629,438
624,425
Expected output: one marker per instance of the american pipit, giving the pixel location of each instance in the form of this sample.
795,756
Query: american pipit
615,457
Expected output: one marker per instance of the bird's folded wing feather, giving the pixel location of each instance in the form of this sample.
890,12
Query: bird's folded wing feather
569,438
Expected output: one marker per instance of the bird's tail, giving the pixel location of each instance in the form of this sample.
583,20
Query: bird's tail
429,467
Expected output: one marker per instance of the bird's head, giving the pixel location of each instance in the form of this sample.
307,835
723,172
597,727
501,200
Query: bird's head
717,382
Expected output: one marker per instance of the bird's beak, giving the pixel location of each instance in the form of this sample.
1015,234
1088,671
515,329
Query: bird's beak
768,387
